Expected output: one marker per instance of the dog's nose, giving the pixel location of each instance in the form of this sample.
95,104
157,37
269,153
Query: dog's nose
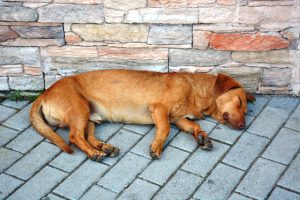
242,125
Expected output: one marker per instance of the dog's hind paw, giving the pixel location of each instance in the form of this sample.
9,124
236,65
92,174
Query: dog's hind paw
153,154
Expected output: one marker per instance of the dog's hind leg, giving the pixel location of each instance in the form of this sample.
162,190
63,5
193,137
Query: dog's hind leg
194,129
110,150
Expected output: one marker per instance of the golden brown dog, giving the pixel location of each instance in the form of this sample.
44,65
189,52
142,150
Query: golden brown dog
138,97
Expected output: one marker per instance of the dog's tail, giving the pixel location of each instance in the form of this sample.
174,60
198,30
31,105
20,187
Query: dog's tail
39,124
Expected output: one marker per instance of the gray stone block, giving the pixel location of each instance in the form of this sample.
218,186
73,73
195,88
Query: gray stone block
4,84
142,148
81,179
244,152
236,196
255,107
8,157
284,146
185,142
160,170
227,134
268,122
260,179
33,161
96,192
180,186
192,57
40,184
294,120
26,82
68,162
139,189
6,112
124,140
25,141
291,177
71,13
201,162
280,194
19,121
219,183
6,134
124,172
8,184
170,35
106,130
140,129
206,125
19,55
17,13
42,32
53,197
15,104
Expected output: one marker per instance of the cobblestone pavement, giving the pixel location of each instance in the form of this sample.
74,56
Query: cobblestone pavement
261,162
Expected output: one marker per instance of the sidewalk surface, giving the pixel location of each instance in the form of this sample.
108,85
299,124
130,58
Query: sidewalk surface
261,162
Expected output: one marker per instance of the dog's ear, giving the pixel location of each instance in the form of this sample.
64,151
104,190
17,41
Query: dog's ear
250,97
223,84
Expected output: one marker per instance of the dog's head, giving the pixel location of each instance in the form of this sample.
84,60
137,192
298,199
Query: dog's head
231,101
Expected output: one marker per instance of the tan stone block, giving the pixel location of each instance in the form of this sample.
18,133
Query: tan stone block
72,38
143,45
279,56
34,42
201,39
78,1
226,2
224,28
34,71
247,42
112,32
70,51
217,15
162,16
33,5
133,53
270,3
10,69
178,3
191,69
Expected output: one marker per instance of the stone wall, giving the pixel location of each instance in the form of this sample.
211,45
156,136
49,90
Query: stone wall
256,41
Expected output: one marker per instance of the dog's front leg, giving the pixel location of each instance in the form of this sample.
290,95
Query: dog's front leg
195,129
160,117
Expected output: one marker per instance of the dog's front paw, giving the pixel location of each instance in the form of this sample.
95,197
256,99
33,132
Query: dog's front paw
205,142
110,150
97,156
154,152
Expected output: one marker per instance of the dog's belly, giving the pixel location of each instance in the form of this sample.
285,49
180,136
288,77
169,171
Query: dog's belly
133,114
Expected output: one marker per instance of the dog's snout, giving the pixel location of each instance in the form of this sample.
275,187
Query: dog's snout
241,125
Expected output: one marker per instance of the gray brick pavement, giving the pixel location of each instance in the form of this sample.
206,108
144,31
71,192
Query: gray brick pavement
261,162
6,112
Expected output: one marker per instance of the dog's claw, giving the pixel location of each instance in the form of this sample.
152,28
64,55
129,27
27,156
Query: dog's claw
153,155
115,152
206,143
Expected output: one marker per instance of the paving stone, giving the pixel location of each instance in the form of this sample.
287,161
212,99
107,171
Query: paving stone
268,122
201,162
7,185
259,181
33,161
15,104
139,189
294,120
40,184
165,166
80,180
124,172
291,177
97,192
19,121
6,112
286,103
8,157
25,141
279,194
236,196
244,152
220,183
6,134
142,148
255,107
227,134
123,140
181,186
68,162
284,146
140,129
106,130
52,197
